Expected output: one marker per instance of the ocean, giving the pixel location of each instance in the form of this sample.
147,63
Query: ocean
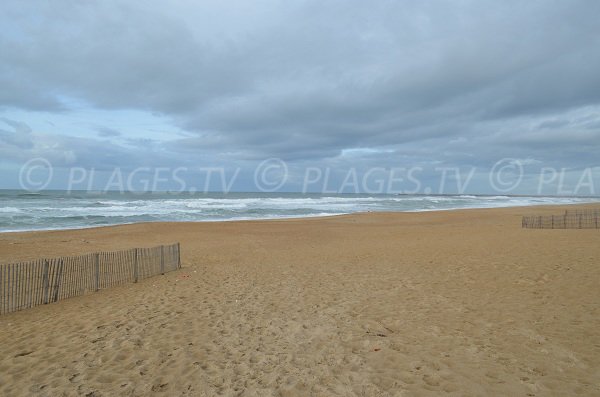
49,210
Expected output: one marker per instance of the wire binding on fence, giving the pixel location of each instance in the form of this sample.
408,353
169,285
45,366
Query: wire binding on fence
571,219
27,284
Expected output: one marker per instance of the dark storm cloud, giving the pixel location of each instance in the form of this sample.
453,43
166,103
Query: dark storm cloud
463,82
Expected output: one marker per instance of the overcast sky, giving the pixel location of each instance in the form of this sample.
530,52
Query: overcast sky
341,84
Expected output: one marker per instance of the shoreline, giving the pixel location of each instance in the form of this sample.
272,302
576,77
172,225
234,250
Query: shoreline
302,217
18,246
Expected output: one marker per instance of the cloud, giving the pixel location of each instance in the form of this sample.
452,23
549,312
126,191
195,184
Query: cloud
457,82
17,137
20,143
107,132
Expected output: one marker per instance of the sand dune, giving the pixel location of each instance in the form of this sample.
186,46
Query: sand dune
459,302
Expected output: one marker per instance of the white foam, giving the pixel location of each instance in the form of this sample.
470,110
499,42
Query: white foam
9,210
69,212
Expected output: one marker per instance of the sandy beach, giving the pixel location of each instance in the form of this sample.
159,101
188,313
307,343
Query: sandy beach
463,303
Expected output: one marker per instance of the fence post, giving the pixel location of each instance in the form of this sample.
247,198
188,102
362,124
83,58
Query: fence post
178,256
162,260
46,281
552,221
58,281
136,273
97,266
7,289
2,288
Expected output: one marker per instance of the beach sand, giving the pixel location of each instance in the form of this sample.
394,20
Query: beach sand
379,304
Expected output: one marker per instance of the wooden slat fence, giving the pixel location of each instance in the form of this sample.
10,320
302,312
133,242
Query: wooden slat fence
588,212
27,284
571,219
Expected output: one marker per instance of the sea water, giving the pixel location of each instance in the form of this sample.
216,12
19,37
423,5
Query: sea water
46,210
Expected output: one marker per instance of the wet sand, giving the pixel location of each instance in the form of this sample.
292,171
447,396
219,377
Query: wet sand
378,304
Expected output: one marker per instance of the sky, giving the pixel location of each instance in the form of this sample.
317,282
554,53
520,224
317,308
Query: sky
438,92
